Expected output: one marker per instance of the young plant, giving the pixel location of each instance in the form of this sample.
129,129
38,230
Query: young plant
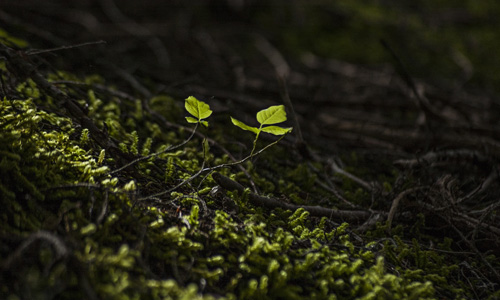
198,109
266,117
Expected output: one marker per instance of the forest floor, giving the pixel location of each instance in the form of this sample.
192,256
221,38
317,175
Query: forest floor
396,131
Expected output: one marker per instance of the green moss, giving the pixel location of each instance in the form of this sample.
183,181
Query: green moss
5,37
280,257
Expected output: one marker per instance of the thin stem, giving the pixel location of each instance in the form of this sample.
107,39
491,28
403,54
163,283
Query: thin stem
255,141
40,51
246,158
203,169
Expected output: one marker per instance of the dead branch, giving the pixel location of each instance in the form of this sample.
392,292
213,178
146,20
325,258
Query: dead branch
355,216
395,204
60,248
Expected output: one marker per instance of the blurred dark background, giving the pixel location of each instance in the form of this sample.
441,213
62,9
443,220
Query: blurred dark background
449,42
330,53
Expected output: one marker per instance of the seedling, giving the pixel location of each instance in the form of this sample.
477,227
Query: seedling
269,116
198,109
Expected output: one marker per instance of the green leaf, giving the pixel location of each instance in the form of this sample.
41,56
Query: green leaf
244,126
272,115
191,120
198,109
276,130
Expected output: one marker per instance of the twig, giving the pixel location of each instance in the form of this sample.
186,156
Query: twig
480,188
288,103
299,139
462,218
407,138
59,247
355,216
478,253
330,187
40,51
156,45
273,55
336,169
395,204
431,157
423,102
351,71
335,193
104,208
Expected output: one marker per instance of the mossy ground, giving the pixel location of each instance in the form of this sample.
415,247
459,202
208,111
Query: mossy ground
76,225
119,243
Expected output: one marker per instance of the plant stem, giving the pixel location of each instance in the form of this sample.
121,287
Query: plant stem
255,142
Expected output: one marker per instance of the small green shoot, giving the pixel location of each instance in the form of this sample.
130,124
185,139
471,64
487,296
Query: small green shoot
206,149
198,109
269,116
